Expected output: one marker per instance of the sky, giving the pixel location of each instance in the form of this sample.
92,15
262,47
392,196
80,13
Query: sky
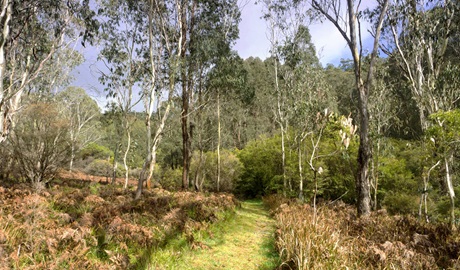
330,45
253,41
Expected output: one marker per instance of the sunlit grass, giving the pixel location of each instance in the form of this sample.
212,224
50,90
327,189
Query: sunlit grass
241,240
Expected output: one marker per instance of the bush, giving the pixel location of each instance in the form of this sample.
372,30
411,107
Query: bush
206,172
262,165
401,203
100,168
171,179
96,151
39,142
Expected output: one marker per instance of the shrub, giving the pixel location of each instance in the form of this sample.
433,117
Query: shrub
100,168
40,142
171,178
262,162
401,203
96,151
205,173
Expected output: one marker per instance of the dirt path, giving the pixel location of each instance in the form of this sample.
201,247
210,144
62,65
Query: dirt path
244,242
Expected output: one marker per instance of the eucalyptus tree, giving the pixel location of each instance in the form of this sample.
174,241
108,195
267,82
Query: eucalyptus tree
259,121
274,14
347,20
299,82
418,35
32,31
304,80
122,42
209,27
165,45
81,113
228,82
384,118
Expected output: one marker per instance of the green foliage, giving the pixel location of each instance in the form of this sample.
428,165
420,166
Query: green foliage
401,203
205,172
96,151
263,172
261,160
445,131
399,175
100,167
171,178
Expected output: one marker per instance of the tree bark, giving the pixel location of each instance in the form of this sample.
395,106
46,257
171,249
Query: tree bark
185,98
364,157
353,39
125,158
218,140
451,192
5,18
299,149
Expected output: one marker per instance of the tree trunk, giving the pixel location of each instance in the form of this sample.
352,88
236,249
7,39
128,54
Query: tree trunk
451,192
299,149
72,155
198,170
218,140
185,100
283,161
125,159
5,121
115,164
364,157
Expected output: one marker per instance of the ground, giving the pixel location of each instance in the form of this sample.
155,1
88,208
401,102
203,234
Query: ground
244,241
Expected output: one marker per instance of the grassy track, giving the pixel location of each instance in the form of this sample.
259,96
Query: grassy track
244,241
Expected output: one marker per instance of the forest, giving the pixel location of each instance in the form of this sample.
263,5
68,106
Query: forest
355,163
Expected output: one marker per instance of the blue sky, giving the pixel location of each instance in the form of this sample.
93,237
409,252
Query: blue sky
253,41
330,45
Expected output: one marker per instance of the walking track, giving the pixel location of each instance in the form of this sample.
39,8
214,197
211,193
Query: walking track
245,242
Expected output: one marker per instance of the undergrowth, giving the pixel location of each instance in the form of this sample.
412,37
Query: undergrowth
334,238
81,225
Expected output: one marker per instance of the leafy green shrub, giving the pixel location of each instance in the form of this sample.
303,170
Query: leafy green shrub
401,203
171,178
262,165
204,172
96,151
99,167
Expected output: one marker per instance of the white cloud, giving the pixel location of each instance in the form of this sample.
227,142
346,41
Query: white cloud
329,43
253,39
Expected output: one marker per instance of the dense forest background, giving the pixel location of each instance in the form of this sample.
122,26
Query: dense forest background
212,121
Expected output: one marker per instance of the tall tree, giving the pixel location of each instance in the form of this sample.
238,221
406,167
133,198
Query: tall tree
208,29
418,33
122,41
32,31
274,13
163,61
227,82
81,113
348,23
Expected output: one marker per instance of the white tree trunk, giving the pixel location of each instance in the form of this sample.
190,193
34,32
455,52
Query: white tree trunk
451,192
5,16
218,140
125,159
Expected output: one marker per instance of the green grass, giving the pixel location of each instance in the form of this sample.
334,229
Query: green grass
242,240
